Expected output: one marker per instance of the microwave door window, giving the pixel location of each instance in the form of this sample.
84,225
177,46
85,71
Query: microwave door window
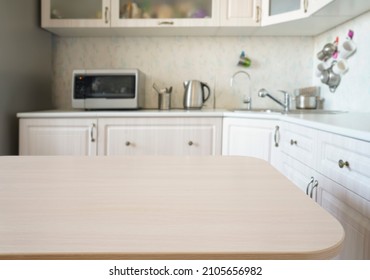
111,87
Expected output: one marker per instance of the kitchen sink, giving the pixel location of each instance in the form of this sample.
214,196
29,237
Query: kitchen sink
291,112
315,112
266,111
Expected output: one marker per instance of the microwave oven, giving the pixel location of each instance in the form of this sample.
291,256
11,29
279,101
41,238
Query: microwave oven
108,89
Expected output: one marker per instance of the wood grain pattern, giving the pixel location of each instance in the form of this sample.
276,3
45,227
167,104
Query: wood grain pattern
157,208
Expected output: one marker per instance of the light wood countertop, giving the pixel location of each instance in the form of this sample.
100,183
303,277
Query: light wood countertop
158,208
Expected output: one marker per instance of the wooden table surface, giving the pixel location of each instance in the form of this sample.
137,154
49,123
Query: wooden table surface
158,208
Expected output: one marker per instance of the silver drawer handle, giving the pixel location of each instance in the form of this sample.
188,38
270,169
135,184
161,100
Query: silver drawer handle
305,6
277,136
258,13
309,184
92,133
106,15
342,163
166,23
293,142
315,185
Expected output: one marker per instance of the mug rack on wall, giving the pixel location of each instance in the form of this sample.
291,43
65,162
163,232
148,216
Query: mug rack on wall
334,62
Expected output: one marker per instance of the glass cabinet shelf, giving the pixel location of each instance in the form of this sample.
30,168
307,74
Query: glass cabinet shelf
165,9
278,7
71,9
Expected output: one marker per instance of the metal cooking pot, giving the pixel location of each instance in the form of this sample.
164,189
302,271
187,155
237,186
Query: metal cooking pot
306,102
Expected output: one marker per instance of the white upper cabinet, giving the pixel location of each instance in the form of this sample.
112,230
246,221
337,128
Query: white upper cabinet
278,11
240,13
196,17
72,13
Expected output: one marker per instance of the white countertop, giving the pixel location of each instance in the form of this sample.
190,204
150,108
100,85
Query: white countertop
351,124
122,113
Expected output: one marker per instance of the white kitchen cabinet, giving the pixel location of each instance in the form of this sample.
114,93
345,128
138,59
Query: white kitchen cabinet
248,137
334,171
159,136
75,14
278,11
58,137
240,13
98,18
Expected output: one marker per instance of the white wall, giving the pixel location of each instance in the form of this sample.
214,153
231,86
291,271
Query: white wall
353,94
277,63
25,67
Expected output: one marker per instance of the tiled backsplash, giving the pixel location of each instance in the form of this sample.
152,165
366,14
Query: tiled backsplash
277,63
353,93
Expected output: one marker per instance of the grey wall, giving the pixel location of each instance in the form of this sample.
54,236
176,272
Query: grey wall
25,67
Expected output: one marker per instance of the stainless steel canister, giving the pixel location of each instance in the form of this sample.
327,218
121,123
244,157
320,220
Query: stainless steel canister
164,101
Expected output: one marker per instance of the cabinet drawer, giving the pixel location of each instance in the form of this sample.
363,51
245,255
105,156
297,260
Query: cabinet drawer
159,136
299,142
345,161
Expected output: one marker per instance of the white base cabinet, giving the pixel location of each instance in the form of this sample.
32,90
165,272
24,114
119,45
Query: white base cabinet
334,171
249,137
58,137
120,136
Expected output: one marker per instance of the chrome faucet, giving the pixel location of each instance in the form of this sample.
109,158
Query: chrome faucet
286,102
246,100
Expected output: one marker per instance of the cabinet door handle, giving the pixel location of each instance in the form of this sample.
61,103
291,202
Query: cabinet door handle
128,143
190,143
168,22
277,136
342,163
315,185
258,14
106,15
92,133
309,184
293,142
305,6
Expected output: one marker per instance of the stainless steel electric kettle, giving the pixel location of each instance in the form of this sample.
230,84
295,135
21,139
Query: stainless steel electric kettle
194,96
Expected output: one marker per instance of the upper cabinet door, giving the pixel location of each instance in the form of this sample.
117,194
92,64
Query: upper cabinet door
240,13
72,13
278,11
164,13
